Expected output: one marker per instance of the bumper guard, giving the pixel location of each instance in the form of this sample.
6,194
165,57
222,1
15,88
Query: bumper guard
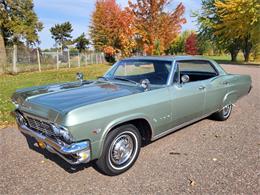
75,153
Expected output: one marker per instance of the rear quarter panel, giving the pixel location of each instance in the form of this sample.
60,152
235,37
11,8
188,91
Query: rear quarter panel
238,86
215,92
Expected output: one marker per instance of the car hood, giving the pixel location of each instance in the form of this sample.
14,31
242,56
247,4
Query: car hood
68,96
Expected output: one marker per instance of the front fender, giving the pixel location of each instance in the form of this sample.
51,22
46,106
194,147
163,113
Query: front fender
116,122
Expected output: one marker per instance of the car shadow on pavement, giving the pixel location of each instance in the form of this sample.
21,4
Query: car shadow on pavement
32,143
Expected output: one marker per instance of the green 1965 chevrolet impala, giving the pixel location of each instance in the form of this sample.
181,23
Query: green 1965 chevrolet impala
138,100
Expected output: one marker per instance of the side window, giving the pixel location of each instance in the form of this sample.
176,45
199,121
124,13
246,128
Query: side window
197,70
196,66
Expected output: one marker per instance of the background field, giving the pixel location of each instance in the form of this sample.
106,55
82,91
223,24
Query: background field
9,83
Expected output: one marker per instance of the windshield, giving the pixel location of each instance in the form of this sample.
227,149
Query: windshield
156,71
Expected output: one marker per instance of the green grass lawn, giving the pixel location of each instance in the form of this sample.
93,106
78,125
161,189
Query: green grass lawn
9,83
226,59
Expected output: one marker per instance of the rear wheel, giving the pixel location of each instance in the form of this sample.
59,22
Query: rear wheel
121,149
224,113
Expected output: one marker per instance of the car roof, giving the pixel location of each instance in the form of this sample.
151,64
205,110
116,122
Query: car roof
168,58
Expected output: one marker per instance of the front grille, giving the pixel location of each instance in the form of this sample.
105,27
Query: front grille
39,125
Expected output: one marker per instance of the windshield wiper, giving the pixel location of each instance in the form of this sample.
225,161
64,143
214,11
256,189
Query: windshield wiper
105,78
124,79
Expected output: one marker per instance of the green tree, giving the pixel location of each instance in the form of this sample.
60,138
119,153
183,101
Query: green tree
19,22
207,18
61,33
178,46
81,42
18,25
240,20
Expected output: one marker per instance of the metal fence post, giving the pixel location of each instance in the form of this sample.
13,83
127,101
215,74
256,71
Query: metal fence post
38,59
69,56
78,59
91,57
14,58
57,59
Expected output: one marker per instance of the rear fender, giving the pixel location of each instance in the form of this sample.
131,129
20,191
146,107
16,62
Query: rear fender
230,98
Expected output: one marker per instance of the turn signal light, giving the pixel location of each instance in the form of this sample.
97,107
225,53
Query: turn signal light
42,145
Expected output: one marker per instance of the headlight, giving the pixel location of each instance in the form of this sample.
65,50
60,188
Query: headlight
62,132
15,104
20,119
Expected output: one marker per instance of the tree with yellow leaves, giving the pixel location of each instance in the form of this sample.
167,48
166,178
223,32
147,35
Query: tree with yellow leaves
239,20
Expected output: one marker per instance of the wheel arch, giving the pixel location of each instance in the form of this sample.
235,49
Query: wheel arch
230,98
141,122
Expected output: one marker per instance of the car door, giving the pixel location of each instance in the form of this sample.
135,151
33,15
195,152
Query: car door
187,99
187,102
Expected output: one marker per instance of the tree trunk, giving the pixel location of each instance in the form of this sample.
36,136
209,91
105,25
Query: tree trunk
247,46
246,56
234,48
233,54
2,54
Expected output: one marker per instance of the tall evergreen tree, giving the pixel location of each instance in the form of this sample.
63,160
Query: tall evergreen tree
61,33
81,43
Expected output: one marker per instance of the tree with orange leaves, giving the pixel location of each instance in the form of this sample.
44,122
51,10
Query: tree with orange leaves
156,27
111,28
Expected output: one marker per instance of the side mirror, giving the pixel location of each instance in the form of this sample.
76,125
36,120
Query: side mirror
145,84
79,76
185,79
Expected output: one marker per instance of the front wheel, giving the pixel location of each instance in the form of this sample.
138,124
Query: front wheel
120,151
224,113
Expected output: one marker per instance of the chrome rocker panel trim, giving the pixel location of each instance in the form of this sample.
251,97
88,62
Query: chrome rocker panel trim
60,150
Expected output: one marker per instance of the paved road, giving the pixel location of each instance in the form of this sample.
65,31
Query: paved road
206,157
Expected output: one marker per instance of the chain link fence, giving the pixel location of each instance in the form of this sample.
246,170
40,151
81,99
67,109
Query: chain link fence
23,59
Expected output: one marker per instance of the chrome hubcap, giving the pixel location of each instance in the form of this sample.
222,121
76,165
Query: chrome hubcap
121,149
226,110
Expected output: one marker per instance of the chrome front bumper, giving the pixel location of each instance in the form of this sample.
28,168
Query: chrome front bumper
75,153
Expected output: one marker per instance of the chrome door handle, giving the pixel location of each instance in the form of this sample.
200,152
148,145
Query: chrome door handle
225,83
202,88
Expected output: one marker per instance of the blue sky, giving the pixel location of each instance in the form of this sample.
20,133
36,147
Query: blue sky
78,12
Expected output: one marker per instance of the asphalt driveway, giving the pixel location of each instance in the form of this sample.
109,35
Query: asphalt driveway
207,157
